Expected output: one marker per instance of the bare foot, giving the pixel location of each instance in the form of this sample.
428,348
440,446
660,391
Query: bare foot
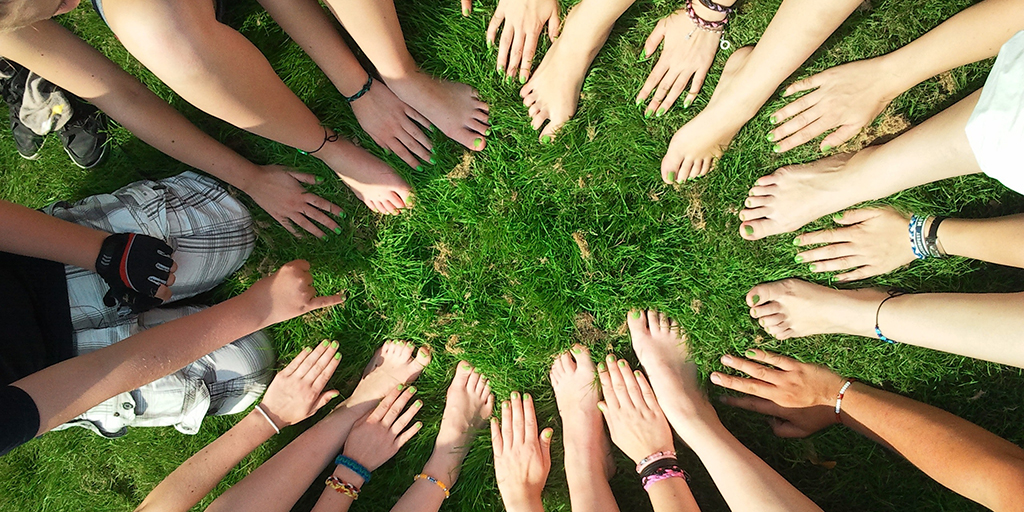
396,362
574,379
792,308
372,180
661,347
553,91
467,406
453,107
795,195
698,143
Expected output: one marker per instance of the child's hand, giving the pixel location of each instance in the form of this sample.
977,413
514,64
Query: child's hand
522,459
685,59
376,439
297,391
288,293
524,21
635,420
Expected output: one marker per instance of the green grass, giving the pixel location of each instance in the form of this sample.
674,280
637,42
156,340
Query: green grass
512,288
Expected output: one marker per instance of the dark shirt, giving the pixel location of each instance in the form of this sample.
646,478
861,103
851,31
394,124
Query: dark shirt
35,332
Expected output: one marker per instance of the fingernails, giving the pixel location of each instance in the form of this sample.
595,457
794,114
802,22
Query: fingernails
417,403
647,114
600,407
825,148
812,266
334,395
756,299
660,112
574,350
465,13
319,180
467,366
777,148
639,101
401,387
487,132
601,367
337,356
636,373
526,396
334,344
477,142
337,231
634,314
715,378
749,229
325,343
489,44
622,364
545,139
418,425
796,241
798,258
772,120
341,215
750,353
504,405
726,359
547,434
770,136
307,349
419,168
687,102
514,395
522,79
433,160
412,390
672,176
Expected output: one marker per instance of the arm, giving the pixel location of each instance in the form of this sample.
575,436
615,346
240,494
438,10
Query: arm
294,395
35,234
956,453
64,59
71,387
994,240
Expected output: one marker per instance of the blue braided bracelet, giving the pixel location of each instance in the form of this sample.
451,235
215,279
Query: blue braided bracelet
356,467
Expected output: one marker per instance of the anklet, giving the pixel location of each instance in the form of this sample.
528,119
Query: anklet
878,330
839,399
364,90
703,24
931,241
327,138
424,476
343,487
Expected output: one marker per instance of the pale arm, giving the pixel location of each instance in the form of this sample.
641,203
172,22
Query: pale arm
996,240
35,234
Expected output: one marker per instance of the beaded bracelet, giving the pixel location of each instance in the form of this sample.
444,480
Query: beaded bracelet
916,230
878,330
652,458
703,24
343,487
424,476
356,467
839,398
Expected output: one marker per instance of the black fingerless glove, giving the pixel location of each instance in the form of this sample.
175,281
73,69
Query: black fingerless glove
134,266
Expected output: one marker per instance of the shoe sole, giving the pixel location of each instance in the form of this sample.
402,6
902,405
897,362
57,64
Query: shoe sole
35,156
103,154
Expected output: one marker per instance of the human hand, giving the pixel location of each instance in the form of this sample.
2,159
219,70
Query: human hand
281,194
374,440
138,269
785,421
393,125
793,385
846,98
685,59
522,459
524,21
635,420
297,391
873,242
288,293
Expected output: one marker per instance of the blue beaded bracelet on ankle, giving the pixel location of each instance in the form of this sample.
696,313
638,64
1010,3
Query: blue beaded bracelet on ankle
356,467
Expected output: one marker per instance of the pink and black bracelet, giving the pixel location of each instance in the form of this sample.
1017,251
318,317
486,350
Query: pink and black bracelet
703,24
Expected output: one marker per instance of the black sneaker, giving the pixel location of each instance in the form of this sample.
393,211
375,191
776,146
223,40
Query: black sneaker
13,90
85,135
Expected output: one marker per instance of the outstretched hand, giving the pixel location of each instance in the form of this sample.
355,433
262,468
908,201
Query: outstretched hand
845,98
288,293
635,420
297,391
799,396
524,22
522,459
685,59
377,438
392,124
280,193
873,242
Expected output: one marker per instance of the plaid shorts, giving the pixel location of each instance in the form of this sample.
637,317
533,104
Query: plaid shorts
211,234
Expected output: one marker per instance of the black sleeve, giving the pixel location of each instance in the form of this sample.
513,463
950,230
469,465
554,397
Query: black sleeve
20,419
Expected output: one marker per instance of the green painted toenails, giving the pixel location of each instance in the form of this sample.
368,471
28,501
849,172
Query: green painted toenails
545,139
798,258
756,299
749,229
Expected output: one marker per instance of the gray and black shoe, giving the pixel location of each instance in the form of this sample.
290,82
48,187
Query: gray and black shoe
85,135
13,90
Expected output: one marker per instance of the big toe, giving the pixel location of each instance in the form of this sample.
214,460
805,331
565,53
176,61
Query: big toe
463,372
637,322
581,355
760,228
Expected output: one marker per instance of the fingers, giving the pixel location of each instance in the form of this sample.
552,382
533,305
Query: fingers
497,444
391,415
516,53
784,114
607,391
317,215
753,403
654,40
812,130
303,222
632,388
325,302
529,417
403,421
327,371
860,215
554,26
618,384
529,49
402,152
675,91
545,444
841,135
518,419
296,362
748,386
163,293
385,403
326,397
303,177
811,82
757,371
407,435
467,5
504,45
695,86
308,363
492,27
779,361
506,425
646,391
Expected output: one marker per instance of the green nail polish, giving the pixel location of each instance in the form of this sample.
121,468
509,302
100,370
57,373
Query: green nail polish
548,434
601,367
636,373
574,350
825,148
419,168
526,396
477,142
777,149
756,299
487,132
798,258
522,79
515,394
337,356
634,314
639,101
672,176
687,102
545,139
750,353
324,343
838,216
307,349
412,390
647,114
770,136
796,241
772,120
401,387
433,160
341,215
812,267
622,364
319,180
749,229
660,112
337,231
334,344
417,403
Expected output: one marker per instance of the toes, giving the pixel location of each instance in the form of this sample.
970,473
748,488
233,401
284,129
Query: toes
474,379
463,372
480,127
761,212
423,356
764,310
637,322
756,201
762,294
758,229
652,320
770,321
581,356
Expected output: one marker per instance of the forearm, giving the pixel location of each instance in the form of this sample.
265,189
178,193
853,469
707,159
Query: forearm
278,483
32,233
424,494
64,59
310,27
672,495
335,501
974,34
194,479
745,481
995,240
532,503
956,453
69,388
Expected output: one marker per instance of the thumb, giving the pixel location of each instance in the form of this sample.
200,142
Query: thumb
554,26
545,443
786,429
303,177
466,6
326,397
855,216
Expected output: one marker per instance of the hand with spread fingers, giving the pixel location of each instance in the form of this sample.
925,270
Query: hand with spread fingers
394,125
685,59
873,242
635,420
844,98
800,397
280,193
522,459
521,23
377,438
297,391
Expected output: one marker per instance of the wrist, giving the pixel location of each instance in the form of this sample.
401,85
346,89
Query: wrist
893,76
347,475
272,416
522,500
707,14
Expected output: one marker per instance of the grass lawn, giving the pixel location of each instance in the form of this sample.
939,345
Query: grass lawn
487,266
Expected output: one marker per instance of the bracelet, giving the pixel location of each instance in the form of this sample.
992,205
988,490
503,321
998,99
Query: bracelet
703,24
659,466
878,330
839,398
265,415
343,487
672,472
327,138
356,467
916,230
710,4
364,90
424,476
652,458
931,241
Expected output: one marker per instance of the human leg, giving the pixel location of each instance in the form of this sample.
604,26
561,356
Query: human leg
795,195
787,42
980,325
587,446
219,71
452,107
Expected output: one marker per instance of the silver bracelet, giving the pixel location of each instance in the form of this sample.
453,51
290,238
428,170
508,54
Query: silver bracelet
264,413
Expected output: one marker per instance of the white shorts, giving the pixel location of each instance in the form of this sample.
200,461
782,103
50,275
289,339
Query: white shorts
996,127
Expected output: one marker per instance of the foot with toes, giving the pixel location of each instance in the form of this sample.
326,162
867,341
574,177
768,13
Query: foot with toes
374,182
577,392
468,404
395,363
792,308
